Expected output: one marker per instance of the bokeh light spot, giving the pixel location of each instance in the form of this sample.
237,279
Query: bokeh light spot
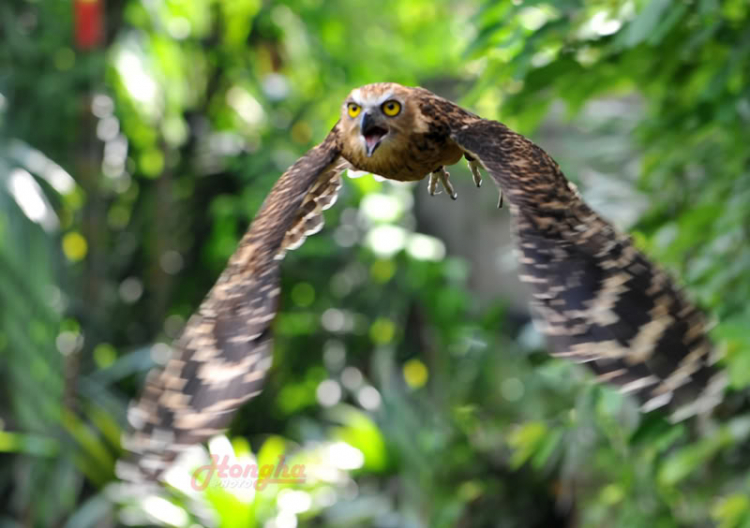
382,331
424,247
333,320
294,501
351,377
118,216
328,393
512,389
131,290
380,207
382,270
171,262
68,342
334,354
344,456
303,294
386,240
104,355
151,162
369,398
415,373
74,246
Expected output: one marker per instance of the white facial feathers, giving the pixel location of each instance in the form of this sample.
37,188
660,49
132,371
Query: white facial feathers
370,100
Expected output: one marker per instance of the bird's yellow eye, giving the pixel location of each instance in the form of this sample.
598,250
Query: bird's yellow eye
354,109
391,108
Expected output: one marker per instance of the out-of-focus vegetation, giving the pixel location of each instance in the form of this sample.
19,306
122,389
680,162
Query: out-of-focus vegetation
128,173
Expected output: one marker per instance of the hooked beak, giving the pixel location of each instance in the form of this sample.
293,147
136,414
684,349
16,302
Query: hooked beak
372,132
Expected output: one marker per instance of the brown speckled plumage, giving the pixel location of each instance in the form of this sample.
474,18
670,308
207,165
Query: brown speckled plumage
220,360
598,300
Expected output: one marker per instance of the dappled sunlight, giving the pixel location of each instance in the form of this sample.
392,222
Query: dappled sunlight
37,163
386,240
284,485
139,83
161,511
30,199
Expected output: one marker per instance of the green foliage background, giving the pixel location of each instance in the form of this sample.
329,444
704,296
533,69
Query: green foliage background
128,173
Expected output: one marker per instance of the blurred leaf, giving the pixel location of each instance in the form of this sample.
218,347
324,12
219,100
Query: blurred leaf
732,511
526,441
646,23
360,431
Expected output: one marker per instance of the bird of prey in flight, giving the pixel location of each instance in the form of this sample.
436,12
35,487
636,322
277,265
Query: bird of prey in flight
598,300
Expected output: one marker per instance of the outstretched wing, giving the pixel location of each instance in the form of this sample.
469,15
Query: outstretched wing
221,359
597,298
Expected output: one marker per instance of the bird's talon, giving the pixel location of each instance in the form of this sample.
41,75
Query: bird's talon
475,174
432,185
500,201
443,176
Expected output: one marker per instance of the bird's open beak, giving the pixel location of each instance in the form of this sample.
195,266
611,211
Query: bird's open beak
372,131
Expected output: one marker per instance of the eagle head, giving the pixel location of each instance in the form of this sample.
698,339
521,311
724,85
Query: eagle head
385,130
376,121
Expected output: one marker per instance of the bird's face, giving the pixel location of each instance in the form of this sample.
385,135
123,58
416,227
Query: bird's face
374,117
384,131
